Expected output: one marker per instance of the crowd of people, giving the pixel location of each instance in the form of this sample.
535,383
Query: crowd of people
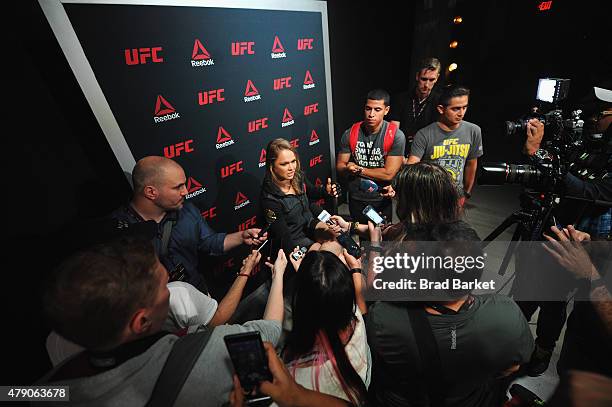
123,334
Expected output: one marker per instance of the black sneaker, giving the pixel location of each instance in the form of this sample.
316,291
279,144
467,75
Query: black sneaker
540,359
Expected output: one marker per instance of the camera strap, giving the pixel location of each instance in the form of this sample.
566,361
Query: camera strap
166,232
177,368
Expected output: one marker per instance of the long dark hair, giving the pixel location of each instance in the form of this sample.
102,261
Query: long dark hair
323,304
425,193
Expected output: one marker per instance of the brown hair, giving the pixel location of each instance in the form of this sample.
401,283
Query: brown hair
272,152
91,297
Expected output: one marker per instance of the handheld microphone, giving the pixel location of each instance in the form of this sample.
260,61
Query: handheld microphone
270,216
368,185
343,238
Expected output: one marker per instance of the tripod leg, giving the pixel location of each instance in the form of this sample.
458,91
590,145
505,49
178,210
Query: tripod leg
509,221
516,237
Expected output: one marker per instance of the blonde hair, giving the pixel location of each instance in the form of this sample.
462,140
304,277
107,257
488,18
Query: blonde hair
272,152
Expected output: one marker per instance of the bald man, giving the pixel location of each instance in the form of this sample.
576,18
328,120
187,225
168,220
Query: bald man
159,196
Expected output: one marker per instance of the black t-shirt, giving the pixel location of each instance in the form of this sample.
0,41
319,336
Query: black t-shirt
475,346
412,115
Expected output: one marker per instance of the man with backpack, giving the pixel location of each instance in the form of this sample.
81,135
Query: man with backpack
112,299
371,153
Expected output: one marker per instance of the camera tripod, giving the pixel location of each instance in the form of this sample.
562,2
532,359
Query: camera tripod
529,220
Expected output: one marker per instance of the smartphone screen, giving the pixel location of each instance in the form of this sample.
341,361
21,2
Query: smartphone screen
371,213
249,358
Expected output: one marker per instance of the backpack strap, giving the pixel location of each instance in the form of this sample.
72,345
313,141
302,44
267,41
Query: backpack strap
354,136
432,379
389,138
177,368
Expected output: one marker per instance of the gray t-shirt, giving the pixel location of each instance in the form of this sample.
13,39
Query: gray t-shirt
369,153
131,383
449,149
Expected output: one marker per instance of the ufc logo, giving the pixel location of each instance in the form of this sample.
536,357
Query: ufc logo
305,43
137,56
281,83
258,124
249,223
310,109
231,169
240,48
208,97
295,142
316,160
176,149
210,213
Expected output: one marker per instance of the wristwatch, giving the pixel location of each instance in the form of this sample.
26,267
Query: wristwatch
467,194
354,227
356,270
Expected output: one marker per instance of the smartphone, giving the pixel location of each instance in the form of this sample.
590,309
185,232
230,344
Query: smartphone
374,216
349,244
299,254
250,361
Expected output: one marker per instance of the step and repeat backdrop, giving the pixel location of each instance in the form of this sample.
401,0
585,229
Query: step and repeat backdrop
207,84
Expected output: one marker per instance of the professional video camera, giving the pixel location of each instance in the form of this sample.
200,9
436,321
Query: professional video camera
562,140
568,146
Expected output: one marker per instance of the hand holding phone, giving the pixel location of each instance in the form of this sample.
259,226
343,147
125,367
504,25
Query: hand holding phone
374,216
250,361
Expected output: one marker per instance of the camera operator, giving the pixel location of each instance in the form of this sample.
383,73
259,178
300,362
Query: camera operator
589,217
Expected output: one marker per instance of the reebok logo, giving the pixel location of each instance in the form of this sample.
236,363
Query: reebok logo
224,139
310,109
316,160
250,92
209,96
241,201
282,83
314,138
232,169
139,56
258,124
304,44
244,47
209,213
318,182
287,118
194,188
200,56
249,223
308,82
262,158
175,150
164,110
277,49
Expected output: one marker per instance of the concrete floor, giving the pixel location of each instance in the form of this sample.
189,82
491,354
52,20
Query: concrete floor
487,209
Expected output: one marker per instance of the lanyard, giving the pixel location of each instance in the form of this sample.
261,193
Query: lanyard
421,105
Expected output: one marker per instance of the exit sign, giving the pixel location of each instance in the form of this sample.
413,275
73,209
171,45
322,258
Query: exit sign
545,5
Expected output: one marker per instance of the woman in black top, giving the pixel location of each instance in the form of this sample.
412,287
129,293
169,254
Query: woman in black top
285,191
